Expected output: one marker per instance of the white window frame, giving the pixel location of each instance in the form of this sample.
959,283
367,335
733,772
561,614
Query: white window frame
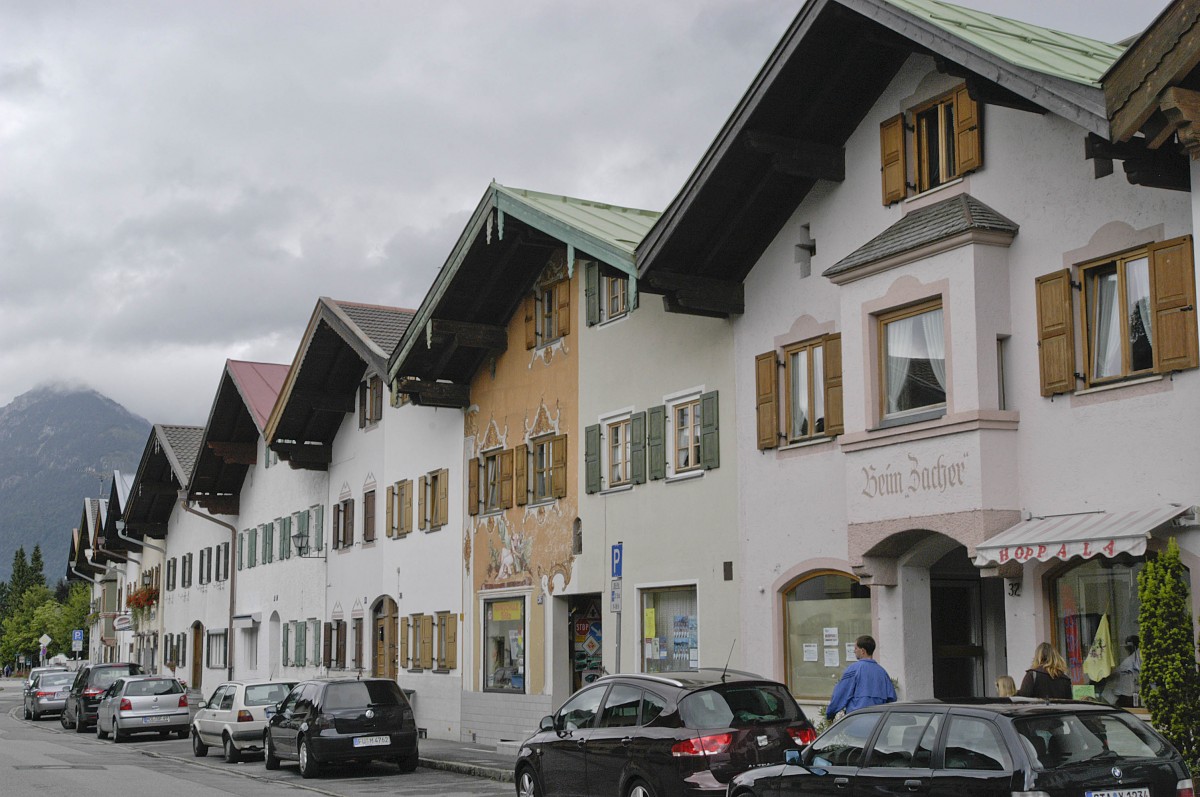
613,285
535,445
489,481
214,643
641,589
623,416
671,402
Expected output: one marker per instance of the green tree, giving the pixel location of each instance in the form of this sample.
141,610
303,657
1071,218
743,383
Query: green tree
76,607
20,578
1170,683
21,630
37,567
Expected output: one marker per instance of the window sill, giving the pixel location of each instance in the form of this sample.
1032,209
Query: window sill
540,502
957,185
913,417
685,476
620,488
1107,386
816,441
614,319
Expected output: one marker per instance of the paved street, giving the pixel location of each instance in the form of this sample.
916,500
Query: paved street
41,758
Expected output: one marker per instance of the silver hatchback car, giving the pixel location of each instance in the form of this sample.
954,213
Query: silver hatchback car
143,704
47,694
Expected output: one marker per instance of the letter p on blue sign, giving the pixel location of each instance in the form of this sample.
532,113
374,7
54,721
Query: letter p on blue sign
616,560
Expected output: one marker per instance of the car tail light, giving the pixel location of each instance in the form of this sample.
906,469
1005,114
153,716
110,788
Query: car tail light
92,691
703,745
321,722
45,694
245,716
183,701
126,705
1184,788
802,736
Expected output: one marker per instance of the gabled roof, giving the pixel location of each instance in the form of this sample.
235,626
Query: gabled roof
790,128
164,470
118,497
83,555
938,222
505,245
343,341
229,445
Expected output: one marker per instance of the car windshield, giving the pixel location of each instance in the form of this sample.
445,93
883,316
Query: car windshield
267,694
736,705
356,694
156,686
1064,739
54,679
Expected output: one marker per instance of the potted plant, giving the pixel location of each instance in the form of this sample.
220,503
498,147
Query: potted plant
141,602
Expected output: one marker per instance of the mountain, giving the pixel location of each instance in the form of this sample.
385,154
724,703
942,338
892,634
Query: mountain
57,447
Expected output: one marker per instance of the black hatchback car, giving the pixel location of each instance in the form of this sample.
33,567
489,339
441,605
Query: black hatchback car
661,735
326,721
985,749
90,684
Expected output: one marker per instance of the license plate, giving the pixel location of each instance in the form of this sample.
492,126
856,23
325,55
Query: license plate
152,720
379,741
1143,792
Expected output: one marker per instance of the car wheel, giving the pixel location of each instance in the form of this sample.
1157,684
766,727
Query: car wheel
407,763
270,760
100,734
527,784
28,715
232,754
33,715
182,733
80,725
640,788
118,737
62,720
308,765
199,748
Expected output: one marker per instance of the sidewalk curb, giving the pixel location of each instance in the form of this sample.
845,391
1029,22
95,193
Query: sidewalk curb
476,770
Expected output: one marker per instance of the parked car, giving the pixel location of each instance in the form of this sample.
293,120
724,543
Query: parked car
143,704
235,716
48,693
36,671
664,734
90,683
982,748
325,721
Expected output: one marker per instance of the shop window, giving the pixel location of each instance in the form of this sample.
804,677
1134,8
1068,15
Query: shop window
823,613
912,360
944,136
504,645
670,634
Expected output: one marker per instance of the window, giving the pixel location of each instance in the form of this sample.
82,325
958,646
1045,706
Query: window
810,605
490,473
670,640
618,452
906,740
343,524
621,707
579,713
912,359
369,516
422,641
842,745
1138,311
447,640
687,434
399,508
607,292
615,452
945,137
548,314
370,402
433,499
686,416
805,389
216,650
548,468
504,645
975,743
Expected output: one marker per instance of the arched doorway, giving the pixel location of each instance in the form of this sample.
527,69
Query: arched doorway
384,614
197,654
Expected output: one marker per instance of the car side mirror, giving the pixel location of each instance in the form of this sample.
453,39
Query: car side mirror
202,704
792,757
547,723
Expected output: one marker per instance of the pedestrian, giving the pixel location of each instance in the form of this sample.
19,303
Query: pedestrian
864,683
1121,688
1006,686
1047,675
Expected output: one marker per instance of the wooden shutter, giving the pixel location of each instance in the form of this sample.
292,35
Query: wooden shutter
335,531
442,507
362,405
656,442
376,398
403,635
506,478
390,526
892,164
422,516
1173,308
318,530
241,561
369,516
427,641
710,428
558,466
835,419
451,641
530,324
268,541
592,293
341,644
591,459
1055,332
348,523
287,627
520,473
766,399
302,529
637,448
406,507
562,301
472,486
327,645
252,545
285,537
968,139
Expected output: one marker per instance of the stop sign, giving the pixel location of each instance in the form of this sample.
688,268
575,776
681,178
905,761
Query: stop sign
581,627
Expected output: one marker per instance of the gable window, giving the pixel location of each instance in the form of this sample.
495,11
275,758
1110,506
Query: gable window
548,314
370,402
944,136
1138,317
912,359
607,291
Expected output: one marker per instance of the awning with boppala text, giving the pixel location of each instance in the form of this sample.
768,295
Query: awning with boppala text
1084,535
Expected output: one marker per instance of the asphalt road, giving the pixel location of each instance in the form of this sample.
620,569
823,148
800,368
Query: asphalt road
42,759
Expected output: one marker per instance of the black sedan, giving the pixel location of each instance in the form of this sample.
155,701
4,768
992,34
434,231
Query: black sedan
983,749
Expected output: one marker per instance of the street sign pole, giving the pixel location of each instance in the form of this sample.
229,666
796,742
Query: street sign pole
618,556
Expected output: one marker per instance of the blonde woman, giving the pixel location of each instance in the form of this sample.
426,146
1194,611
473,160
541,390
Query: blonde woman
1047,675
1006,686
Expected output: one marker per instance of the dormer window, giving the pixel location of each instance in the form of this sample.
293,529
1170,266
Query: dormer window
943,137
370,402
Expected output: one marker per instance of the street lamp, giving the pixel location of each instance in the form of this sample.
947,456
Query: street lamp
300,543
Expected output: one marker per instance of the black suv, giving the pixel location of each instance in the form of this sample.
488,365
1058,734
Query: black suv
667,734
325,721
994,748
89,686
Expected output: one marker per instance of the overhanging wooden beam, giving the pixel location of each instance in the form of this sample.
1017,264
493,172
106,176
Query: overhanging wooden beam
470,335
322,401
435,394
1154,168
155,530
157,488
798,158
219,504
698,295
301,455
235,453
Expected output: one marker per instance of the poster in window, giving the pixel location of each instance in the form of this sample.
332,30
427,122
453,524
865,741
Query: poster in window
831,657
831,636
648,626
810,651
850,646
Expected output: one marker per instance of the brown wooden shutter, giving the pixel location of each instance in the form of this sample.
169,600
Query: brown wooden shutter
562,298
376,398
558,466
341,644
520,477
442,507
766,399
506,478
451,641
403,643
427,641
362,405
1056,332
1173,298
530,322
473,486
422,516
892,164
369,516
835,420
348,523
390,525
336,531
406,507
327,645
968,141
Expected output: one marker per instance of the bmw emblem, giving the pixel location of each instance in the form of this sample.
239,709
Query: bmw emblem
1117,773
371,713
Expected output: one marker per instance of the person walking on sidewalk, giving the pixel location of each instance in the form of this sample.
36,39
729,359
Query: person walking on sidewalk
864,683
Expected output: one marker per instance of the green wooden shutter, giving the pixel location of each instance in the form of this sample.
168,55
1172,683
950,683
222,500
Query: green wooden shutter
592,293
318,529
252,547
298,636
302,528
656,442
285,538
637,448
241,560
710,438
287,627
268,542
591,459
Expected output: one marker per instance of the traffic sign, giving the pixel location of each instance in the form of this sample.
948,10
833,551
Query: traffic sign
615,602
77,635
45,639
617,554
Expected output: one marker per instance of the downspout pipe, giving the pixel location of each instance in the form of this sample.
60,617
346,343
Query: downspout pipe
183,502
84,577
140,543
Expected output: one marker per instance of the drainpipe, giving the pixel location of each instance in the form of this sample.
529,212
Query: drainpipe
183,502
141,543
84,577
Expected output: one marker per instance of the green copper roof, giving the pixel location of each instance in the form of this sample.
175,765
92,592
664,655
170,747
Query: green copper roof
1043,50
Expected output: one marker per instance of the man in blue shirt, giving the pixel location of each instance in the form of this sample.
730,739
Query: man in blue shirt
864,683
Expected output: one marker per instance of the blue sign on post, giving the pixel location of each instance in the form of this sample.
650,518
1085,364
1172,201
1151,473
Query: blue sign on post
77,635
616,560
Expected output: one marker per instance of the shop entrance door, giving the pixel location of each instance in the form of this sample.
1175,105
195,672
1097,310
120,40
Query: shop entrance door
385,639
585,634
957,627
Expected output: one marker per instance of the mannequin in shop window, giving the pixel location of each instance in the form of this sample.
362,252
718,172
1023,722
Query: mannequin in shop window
1121,688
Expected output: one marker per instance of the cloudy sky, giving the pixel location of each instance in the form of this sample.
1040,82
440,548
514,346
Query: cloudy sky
180,181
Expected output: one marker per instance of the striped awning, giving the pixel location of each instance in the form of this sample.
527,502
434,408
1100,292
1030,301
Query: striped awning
1087,534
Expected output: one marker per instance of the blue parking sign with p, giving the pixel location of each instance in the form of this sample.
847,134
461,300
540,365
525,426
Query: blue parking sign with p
77,635
616,560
